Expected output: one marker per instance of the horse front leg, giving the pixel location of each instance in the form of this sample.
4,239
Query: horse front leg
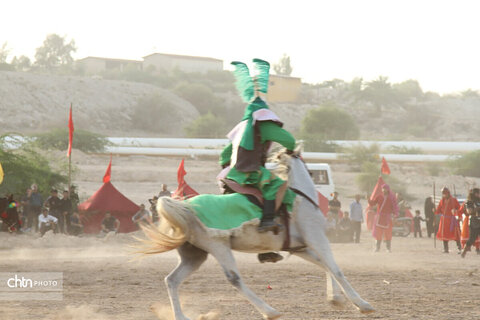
225,258
334,292
191,258
310,224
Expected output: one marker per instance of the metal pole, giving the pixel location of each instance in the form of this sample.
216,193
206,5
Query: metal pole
434,219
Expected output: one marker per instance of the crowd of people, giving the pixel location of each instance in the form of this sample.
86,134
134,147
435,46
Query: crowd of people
32,214
447,221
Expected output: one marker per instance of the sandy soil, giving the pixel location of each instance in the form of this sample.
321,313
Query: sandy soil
416,281
100,282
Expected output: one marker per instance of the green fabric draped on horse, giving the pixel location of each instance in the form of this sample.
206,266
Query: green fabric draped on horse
182,229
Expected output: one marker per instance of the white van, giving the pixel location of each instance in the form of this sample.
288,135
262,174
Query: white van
321,175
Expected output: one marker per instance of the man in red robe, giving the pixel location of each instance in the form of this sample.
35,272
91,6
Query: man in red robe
382,223
449,228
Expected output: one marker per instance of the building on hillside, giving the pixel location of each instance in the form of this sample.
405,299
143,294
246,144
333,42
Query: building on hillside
96,65
190,64
283,88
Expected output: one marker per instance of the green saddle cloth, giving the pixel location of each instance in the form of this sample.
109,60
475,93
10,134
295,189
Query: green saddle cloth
224,212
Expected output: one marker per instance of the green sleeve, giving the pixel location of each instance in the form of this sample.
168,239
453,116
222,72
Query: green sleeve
226,155
271,131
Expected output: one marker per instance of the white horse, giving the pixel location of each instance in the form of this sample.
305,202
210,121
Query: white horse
182,230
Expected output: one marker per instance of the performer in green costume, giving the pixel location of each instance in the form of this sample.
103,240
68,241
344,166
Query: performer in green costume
251,140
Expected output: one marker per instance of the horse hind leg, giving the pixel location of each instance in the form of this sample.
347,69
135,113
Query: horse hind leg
191,258
225,258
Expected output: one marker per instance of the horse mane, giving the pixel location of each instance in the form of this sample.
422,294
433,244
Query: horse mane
282,160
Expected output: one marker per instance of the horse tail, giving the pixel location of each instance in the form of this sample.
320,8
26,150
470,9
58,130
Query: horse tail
172,230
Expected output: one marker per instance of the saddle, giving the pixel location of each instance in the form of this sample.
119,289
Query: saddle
255,196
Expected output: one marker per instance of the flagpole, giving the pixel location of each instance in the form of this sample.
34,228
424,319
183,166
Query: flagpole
434,219
70,151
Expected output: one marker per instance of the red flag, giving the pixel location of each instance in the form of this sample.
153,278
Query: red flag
181,172
70,132
385,168
108,173
184,191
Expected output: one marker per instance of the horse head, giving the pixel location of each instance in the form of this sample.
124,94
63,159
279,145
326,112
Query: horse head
299,178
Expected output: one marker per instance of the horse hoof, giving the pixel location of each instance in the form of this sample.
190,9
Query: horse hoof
273,315
337,300
367,309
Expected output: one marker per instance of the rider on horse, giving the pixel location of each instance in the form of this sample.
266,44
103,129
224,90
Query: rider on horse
251,140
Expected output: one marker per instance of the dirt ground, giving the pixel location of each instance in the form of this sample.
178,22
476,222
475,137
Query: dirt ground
415,281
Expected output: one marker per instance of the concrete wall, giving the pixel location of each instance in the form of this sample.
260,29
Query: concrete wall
283,89
186,64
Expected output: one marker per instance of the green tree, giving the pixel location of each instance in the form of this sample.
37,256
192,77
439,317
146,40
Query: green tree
283,66
57,139
469,93
380,93
4,52
24,166
55,52
21,63
206,126
329,123
407,90
467,164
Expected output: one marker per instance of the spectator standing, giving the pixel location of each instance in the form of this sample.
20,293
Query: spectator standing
474,228
356,215
403,205
429,210
110,223
345,228
416,224
334,206
11,220
331,228
142,216
27,211
164,192
54,205
387,208
36,202
73,195
47,222
468,208
153,208
449,228
66,209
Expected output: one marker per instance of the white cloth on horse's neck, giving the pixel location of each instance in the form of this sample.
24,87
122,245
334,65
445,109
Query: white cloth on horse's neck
236,134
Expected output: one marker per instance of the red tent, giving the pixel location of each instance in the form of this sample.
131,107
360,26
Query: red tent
108,198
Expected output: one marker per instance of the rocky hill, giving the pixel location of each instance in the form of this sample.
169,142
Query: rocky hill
32,102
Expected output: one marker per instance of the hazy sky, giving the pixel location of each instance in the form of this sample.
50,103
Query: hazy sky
436,42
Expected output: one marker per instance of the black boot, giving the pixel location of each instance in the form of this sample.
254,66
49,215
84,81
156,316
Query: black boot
445,246
267,223
389,245
378,243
